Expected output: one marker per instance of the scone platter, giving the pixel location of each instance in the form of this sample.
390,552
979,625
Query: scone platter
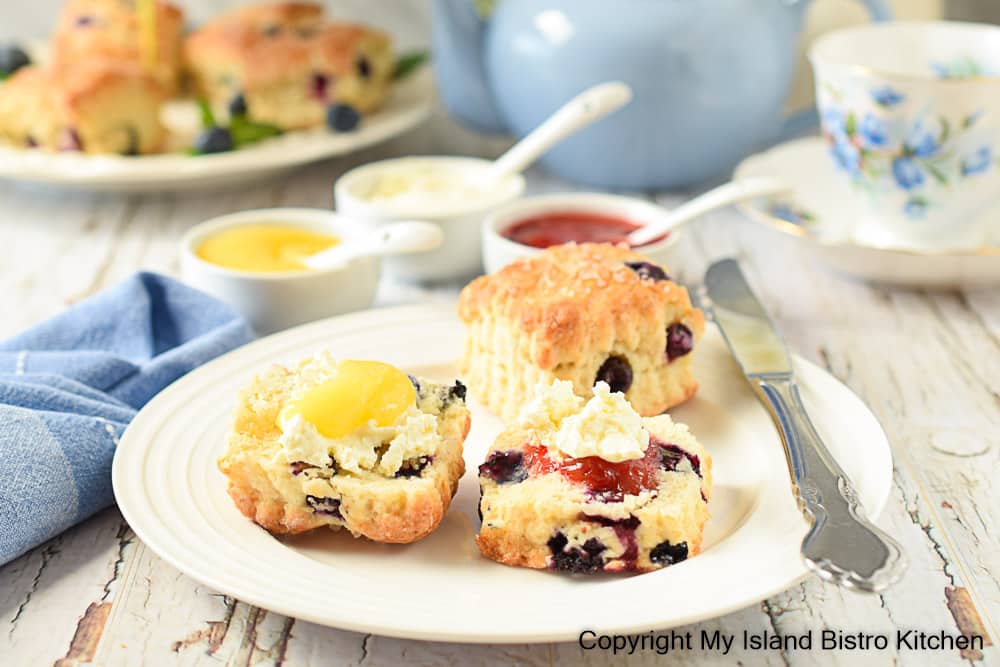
500,472
121,98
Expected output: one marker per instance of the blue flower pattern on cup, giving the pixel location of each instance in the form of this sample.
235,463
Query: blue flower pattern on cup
878,142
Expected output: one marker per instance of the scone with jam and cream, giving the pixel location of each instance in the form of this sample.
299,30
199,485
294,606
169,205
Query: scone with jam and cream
583,313
353,444
591,486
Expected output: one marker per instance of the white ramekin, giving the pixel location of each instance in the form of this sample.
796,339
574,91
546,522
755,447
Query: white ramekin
459,255
275,301
498,251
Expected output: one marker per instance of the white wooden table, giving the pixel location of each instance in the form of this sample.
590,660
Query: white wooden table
927,364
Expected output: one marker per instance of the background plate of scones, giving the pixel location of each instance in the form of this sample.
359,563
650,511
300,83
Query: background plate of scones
112,104
574,448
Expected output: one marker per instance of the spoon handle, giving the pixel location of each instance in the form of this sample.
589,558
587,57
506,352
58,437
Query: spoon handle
587,107
724,195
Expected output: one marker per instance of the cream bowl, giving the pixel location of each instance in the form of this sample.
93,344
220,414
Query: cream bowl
275,301
459,212
498,251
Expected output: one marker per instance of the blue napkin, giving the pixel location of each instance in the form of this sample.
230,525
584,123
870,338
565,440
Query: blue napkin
70,385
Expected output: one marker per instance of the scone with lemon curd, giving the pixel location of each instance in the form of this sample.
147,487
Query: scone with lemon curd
590,486
352,444
583,313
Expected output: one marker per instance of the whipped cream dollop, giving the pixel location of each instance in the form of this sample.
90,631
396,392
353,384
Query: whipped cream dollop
605,426
412,436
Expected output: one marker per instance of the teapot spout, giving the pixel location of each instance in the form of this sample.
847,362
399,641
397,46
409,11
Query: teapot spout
459,32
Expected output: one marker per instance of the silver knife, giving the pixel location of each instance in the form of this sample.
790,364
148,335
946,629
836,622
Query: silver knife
842,546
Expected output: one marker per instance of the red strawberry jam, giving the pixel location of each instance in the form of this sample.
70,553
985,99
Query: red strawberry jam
600,476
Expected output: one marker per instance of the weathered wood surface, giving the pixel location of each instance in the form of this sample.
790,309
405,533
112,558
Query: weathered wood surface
928,364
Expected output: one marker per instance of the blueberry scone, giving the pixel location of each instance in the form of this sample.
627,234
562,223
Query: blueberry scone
582,313
112,30
288,65
93,107
352,444
590,486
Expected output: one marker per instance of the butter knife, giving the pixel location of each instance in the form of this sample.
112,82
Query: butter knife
842,545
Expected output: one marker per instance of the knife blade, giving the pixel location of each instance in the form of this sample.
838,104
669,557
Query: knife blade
841,546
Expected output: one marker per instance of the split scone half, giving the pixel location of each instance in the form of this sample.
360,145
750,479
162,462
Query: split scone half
287,62
582,313
113,31
592,486
352,444
92,107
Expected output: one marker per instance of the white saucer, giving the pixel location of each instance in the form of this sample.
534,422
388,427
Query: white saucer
821,216
173,496
409,103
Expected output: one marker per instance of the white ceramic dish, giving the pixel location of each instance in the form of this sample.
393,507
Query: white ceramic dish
499,251
275,301
169,490
409,104
459,254
822,214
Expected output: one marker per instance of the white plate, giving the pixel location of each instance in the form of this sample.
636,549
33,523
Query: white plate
440,588
408,104
822,213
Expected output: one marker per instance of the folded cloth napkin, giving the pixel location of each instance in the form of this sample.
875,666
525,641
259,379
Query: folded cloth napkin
70,385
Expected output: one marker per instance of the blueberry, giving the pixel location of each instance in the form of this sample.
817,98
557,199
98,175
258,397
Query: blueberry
305,32
578,559
680,340
12,58
364,68
457,391
214,140
666,553
30,142
671,455
272,30
414,467
297,467
617,372
84,20
318,85
325,506
238,105
505,467
648,271
342,117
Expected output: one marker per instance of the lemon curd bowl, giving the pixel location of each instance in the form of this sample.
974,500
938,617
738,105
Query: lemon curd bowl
280,299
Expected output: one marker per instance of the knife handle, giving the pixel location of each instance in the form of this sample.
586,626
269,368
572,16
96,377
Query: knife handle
842,545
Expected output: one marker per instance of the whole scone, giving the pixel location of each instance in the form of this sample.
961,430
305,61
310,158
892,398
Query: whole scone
288,63
344,444
582,313
93,107
593,487
88,30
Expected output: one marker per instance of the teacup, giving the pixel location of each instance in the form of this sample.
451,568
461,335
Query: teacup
911,112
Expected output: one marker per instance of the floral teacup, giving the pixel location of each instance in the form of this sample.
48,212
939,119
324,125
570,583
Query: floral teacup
911,112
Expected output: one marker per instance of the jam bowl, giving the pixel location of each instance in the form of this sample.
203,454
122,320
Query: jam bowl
524,227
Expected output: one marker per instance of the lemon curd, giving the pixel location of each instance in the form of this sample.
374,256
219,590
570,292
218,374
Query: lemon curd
264,248
359,392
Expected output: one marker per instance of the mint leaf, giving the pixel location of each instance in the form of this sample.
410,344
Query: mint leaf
207,117
407,63
245,131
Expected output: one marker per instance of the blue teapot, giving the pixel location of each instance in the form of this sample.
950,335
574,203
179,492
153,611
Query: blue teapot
709,78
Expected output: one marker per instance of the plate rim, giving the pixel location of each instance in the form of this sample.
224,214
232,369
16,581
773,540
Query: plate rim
390,630
159,172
